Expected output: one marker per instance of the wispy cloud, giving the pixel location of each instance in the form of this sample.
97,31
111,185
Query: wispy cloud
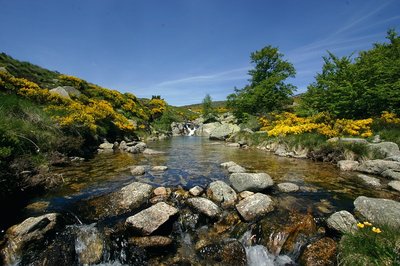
228,75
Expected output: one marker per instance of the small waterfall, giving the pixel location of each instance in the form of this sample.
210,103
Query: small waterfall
258,255
89,245
190,129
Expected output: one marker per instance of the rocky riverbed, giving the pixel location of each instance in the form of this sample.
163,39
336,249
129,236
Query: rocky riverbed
211,204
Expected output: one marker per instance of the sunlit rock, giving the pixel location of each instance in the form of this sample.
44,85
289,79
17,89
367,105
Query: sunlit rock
150,219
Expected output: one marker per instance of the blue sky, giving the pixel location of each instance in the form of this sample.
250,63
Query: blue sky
184,49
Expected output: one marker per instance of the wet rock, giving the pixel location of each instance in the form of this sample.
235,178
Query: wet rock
228,252
159,168
342,221
379,211
180,194
245,194
288,187
89,245
322,252
378,166
391,174
150,219
188,219
224,131
236,169
196,191
250,181
106,146
157,199
347,165
20,236
394,185
255,206
219,191
121,201
206,129
228,164
152,152
151,241
386,149
162,191
204,206
138,170
371,181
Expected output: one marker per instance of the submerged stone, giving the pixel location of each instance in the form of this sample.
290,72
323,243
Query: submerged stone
250,181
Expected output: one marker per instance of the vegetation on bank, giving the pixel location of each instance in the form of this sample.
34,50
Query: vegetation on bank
370,244
351,97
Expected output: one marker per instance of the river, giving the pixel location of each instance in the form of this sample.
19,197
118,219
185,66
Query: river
195,161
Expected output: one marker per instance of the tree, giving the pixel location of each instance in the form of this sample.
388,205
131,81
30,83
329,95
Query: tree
207,105
359,88
267,90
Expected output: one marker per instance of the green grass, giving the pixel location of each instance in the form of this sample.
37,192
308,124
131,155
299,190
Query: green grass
364,247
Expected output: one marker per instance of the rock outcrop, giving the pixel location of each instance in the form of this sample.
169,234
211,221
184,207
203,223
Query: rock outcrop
379,211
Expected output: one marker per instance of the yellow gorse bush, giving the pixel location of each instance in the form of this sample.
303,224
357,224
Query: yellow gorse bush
390,118
72,112
288,123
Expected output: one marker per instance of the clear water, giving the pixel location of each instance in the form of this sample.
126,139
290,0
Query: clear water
195,161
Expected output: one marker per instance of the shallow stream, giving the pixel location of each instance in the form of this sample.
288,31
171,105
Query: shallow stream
195,161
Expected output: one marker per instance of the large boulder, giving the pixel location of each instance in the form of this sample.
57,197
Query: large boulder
177,129
342,221
377,167
205,129
31,231
380,211
255,206
204,206
224,131
250,181
386,149
219,191
150,219
121,201
60,91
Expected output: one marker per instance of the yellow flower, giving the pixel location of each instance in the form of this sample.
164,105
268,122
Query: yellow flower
376,230
360,225
368,224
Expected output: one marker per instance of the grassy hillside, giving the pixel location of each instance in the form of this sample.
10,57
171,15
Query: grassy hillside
40,126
